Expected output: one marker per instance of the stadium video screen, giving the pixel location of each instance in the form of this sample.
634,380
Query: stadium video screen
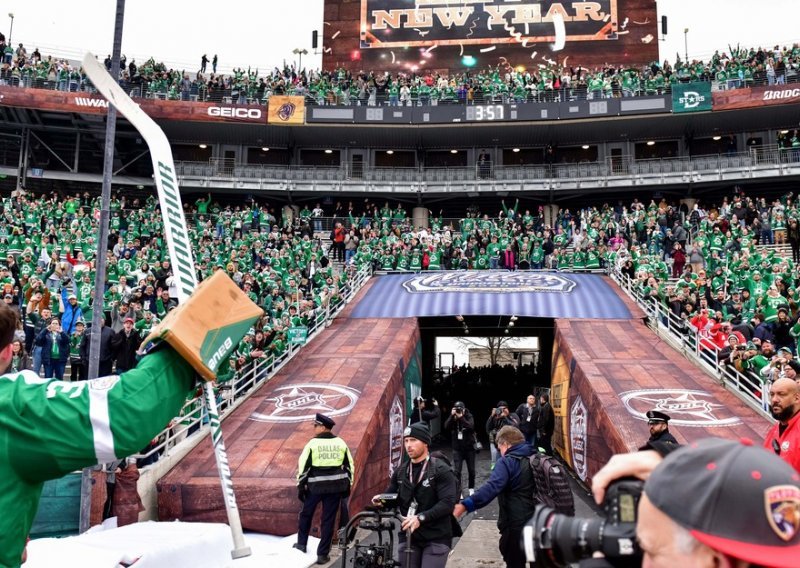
449,35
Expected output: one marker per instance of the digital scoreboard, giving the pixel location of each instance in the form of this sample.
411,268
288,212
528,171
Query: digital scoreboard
443,35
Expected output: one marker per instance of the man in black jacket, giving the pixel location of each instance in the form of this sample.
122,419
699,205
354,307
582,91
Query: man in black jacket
461,425
528,414
106,350
546,424
426,494
125,344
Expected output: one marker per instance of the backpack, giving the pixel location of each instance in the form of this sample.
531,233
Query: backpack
552,484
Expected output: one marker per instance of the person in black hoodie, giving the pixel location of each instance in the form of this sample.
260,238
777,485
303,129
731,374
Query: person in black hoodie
546,424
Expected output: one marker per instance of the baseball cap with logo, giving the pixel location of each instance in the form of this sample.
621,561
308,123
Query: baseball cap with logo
733,497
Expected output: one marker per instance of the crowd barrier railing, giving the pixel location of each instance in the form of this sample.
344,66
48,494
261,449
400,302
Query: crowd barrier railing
741,164
200,90
697,346
193,418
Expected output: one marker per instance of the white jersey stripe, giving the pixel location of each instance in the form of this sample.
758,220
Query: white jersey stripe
101,425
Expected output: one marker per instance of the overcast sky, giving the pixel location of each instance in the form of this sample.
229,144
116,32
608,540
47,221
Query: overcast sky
263,34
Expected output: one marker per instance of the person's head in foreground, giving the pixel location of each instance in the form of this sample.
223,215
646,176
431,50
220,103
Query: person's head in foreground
713,504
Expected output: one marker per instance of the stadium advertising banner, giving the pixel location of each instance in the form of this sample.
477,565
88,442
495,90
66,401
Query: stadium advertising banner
756,97
86,103
414,35
286,110
691,97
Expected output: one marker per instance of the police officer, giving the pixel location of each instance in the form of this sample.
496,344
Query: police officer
325,474
427,494
659,428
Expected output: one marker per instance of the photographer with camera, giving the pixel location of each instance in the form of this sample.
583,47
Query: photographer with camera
713,504
461,426
426,494
420,414
512,483
499,417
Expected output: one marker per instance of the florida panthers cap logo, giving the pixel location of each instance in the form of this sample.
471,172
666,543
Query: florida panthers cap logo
783,510
286,111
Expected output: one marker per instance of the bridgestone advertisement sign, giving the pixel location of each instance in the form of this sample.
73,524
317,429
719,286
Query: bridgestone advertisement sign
756,97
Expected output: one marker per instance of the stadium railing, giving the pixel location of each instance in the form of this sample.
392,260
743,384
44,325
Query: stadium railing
767,158
696,346
193,419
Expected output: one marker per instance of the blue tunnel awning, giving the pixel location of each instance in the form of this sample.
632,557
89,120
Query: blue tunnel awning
492,292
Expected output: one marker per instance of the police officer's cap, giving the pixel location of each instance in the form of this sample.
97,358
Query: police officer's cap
656,416
323,420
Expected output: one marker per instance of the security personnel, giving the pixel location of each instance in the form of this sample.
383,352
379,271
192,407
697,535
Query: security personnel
659,428
426,495
325,475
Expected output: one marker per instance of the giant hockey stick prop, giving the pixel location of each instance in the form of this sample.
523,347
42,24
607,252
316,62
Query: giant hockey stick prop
180,252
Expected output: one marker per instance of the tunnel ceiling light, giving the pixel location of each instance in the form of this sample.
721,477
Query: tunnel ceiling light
203,146
715,138
264,149
515,150
390,152
651,143
329,151
585,146
454,151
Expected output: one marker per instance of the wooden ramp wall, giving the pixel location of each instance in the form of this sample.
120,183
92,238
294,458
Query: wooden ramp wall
355,363
608,373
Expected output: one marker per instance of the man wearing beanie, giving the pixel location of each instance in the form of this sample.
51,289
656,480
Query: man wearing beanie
426,494
714,503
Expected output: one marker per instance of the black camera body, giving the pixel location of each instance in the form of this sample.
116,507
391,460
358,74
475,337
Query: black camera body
555,540
498,411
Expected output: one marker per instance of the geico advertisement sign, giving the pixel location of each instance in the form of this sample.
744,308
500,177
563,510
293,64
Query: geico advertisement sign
235,112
